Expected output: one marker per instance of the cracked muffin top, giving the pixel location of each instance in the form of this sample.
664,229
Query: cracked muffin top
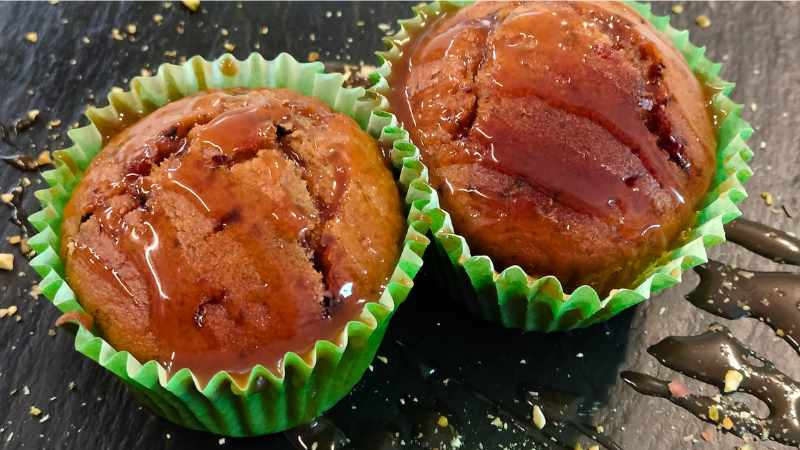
227,228
568,138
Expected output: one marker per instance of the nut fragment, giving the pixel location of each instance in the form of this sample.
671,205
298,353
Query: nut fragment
677,9
8,197
34,411
6,261
44,158
727,423
8,312
538,417
229,46
733,379
158,18
192,5
443,422
768,199
313,56
703,21
32,114
32,37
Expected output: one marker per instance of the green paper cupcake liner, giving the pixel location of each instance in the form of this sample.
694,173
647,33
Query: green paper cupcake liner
310,383
515,299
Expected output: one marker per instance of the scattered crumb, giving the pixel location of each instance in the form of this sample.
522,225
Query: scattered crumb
313,56
383,27
7,198
158,18
71,386
116,35
538,417
600,429
383,359
6,261
224,32
44,158
497,423
677,9
768,199
145,73
131,28
32,114
678,389
703,21
45,418
14,240
32,37
229,46
55,123
733,379
754,107
86,40
264,29
34,411
192,5
51,332
443,422
221,440
708,434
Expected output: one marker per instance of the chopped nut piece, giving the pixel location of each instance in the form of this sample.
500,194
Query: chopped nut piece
14,240
32,114
51,332
25,181
229,46
703,21
600,429
768,199
192,5
6,261
158,18
443,422
780,332
131,28
713,413
86,40
224,32
8,312
7,197
34,411
264,29
32,37
116,35
677,9
733,379
44,158
538,417
313,56
727,423
55,123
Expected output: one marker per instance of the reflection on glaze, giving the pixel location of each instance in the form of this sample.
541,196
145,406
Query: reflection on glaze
708,357
769,242
772,297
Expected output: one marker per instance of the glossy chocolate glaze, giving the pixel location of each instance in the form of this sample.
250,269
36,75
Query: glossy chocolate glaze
559,117
708,357
769,242
240,178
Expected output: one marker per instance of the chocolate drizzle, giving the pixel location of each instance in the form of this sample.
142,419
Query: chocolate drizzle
774,244
709,357
717,357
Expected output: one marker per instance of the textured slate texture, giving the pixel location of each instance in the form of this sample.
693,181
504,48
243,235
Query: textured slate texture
760,44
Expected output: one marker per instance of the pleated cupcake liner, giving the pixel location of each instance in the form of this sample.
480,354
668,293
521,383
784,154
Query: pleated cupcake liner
309,383
516,299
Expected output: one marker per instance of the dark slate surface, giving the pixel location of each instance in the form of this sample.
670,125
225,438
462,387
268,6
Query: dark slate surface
760,43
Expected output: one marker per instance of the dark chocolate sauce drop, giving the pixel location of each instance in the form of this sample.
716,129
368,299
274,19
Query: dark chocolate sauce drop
772,297
769,242
712,357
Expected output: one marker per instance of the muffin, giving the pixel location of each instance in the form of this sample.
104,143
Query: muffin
230,227
570,139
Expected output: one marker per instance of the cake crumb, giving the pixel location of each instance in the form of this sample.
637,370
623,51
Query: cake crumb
229,46
768,199
677,9
313,56
703,21
32,37
116,35
44,158
538,417
264,29
55,123
8,312
158,18
383,359
32,115
34,411
6,261
191,5
14,240
442,422
7,198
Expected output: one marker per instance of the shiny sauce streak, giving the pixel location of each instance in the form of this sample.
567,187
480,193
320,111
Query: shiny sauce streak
575,83
709,357
769,242
771,297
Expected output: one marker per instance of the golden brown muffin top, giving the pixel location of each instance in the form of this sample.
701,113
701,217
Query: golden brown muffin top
569,138
230,227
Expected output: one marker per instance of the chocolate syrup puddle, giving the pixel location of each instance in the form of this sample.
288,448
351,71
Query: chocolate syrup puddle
709,357
769,242
771,297
731,293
